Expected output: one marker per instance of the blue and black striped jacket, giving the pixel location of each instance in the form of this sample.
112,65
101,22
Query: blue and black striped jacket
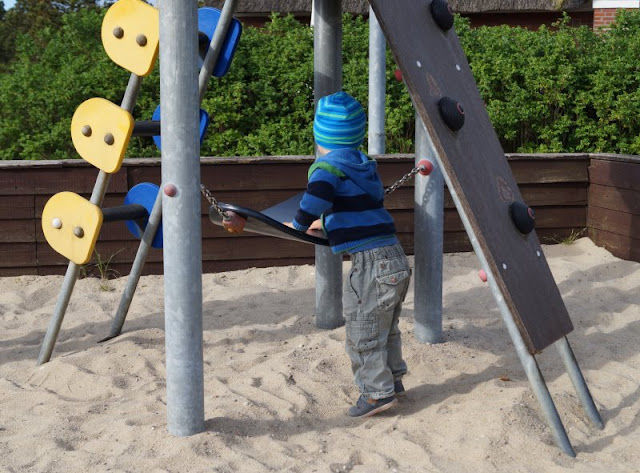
346,191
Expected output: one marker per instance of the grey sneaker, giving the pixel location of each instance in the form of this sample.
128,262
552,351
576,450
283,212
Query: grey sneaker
368,407
399,388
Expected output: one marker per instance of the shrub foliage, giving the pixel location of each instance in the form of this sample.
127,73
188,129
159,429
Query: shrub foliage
560,89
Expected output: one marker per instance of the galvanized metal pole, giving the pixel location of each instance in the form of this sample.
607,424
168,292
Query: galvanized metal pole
327,79
580,385
182,232
153,223
428,244
155,218
73,270
377,85
527,360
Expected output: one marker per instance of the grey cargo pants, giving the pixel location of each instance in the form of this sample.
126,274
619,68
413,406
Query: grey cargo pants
372,301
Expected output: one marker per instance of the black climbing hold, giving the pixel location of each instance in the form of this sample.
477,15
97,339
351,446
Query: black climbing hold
523,217
442,14
451,112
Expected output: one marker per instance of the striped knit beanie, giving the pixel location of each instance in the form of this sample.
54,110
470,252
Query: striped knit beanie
340,122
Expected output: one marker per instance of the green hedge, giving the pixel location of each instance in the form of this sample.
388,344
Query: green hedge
554,90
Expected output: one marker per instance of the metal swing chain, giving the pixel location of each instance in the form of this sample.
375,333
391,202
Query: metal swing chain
212,200
403,179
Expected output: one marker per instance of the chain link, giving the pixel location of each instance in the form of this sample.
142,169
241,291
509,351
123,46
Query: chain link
212,200
402,180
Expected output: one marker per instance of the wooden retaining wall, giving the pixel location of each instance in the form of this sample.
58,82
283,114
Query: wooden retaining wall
614,204
554,185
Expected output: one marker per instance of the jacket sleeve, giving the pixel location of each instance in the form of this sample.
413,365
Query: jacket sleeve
317,199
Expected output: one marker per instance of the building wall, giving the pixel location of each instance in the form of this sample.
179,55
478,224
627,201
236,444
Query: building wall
531,20
605,11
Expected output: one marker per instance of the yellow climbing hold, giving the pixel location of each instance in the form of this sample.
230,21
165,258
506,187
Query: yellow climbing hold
130,35
71,225
100,131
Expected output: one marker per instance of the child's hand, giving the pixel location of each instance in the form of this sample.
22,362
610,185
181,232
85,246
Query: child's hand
316,225
316,233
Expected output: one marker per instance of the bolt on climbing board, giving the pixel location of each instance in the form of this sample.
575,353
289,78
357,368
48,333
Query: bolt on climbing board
444,92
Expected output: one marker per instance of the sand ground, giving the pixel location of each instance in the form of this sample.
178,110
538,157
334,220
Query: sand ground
277,388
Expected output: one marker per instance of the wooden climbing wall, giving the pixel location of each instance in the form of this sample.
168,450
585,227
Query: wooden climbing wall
434,66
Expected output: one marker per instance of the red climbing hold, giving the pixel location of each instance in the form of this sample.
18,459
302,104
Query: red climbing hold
170,190
425,167
482,275
398,74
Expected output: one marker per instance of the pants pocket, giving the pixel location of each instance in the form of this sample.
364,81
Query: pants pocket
362,335
391,288
353,283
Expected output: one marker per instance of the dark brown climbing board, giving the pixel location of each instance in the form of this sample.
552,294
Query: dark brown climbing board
434,66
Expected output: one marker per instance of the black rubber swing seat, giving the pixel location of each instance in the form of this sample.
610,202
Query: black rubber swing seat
269,221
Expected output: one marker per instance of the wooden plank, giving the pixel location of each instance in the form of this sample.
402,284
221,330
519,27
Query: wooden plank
13,255
625,175
50,181
618,245
18,271
615,198
546,217
224,265
17,231
539,195
401,200
457,242
561,217
207,266
261,247
454,242
56,270
16,207
623,158
122,251
251,176
612,221
533,172
226,248
221,266
226,177
434,66
535,195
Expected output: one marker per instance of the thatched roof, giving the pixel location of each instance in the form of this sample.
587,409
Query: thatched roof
288,6
478,6
362,6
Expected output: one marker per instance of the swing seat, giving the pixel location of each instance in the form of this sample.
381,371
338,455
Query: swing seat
269,221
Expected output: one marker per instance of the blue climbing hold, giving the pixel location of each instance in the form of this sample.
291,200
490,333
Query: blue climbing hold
208,19
143,194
